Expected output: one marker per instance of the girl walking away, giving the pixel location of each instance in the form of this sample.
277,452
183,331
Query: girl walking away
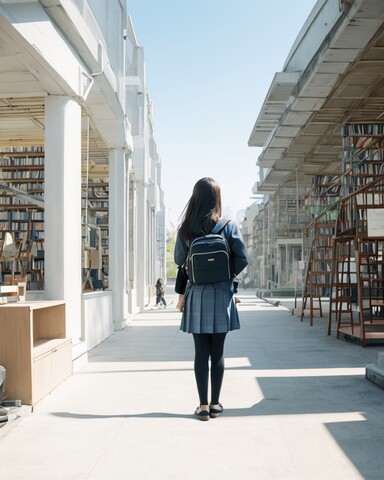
160,300
209,310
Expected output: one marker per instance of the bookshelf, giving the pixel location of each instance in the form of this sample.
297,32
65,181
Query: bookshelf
34,349
361,223
347,237
363,155
371,286
322,205
95,233
357,294
343,294
22,213
319,266
322,194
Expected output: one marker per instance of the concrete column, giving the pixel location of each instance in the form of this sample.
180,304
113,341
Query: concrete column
62,206
118,234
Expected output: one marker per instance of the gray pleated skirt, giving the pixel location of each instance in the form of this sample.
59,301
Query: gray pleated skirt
210,308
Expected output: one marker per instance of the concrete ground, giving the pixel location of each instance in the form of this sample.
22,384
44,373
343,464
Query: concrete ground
297,406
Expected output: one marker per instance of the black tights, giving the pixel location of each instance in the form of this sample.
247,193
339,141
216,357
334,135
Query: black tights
209,345
159,299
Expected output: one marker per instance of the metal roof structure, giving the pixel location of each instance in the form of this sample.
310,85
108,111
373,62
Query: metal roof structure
333,75
27,78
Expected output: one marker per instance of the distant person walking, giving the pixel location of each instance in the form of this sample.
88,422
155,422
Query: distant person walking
209,310
160,300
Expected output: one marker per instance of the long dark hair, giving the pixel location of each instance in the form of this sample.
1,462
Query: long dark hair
203,209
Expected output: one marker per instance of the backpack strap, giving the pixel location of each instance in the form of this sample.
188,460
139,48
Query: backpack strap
218,228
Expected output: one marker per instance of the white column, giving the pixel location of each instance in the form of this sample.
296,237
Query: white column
142,242
62,206
118,234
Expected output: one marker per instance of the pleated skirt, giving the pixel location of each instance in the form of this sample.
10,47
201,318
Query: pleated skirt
210,308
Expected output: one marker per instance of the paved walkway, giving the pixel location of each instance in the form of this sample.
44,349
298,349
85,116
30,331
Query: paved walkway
297,406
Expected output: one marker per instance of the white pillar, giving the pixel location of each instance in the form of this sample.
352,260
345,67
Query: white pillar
118,234
142,242
62,206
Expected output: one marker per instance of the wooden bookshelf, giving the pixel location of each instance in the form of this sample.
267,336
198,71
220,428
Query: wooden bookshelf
34,349
322,194
95,213
357,299
343,293
22,172
318,278
338,267
363,154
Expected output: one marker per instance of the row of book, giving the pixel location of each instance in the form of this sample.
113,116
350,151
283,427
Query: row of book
13,162
99,204
27,186
22,149
15,226
351,129
10,215
21,174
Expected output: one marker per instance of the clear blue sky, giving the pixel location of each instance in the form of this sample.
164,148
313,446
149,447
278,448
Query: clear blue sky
209,66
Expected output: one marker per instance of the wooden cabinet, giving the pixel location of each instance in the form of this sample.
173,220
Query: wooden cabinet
34,349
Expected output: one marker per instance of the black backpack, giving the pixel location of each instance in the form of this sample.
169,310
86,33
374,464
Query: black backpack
209,258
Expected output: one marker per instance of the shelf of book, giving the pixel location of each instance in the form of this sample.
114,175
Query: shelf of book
355,200
362,154
95,233
358,267
21,214
318,276
323,193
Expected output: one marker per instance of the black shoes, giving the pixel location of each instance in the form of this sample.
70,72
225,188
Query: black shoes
215,410
202,414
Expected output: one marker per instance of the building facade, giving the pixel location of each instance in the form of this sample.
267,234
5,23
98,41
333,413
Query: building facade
73,88
331,77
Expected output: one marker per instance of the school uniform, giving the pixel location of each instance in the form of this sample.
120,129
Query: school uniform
211,308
